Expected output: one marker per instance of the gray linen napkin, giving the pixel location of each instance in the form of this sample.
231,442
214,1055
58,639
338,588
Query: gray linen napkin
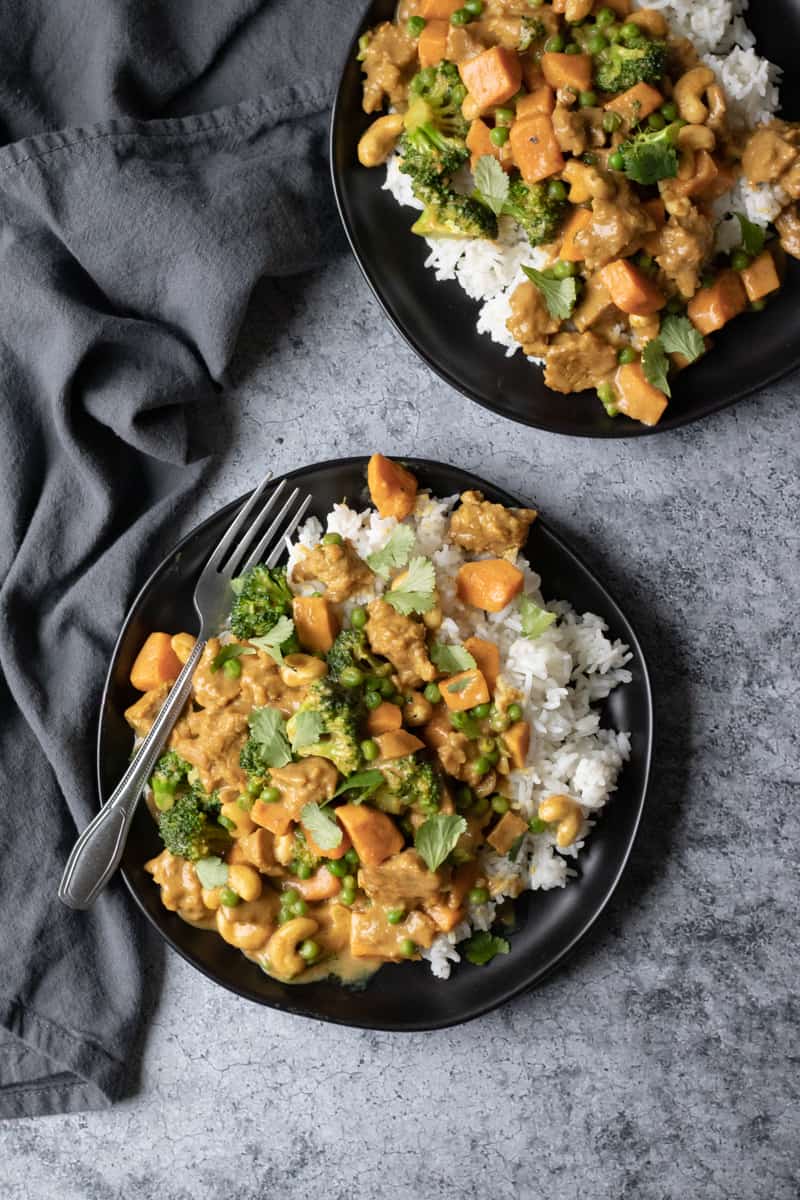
132,232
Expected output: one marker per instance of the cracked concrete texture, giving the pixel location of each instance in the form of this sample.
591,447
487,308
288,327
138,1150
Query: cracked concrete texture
661,1063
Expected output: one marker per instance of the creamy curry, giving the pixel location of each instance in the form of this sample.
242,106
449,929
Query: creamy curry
608,140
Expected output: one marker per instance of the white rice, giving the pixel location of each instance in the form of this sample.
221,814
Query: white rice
571,667
490,271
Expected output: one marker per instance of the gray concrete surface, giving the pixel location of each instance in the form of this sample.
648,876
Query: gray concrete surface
662,1061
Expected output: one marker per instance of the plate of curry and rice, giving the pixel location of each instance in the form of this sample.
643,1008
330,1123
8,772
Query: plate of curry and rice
415,756
578,212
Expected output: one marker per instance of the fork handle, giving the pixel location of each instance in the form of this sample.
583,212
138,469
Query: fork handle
97,852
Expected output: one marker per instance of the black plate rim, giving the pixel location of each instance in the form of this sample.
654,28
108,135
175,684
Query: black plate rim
411,1026
628,429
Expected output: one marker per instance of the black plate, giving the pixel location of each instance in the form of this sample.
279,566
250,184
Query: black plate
438,319
550,923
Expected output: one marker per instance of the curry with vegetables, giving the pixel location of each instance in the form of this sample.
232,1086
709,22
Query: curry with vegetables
326,793
608,141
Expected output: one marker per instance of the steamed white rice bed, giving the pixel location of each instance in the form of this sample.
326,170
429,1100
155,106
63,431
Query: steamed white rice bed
561,674
490,271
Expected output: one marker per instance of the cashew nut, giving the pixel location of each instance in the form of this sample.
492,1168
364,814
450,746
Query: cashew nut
567,813
247,926
182,646
245,881
586,183
242,821
650,20
377,143
696,137
283,849
717,105
417,710
282,946
688,92
298,670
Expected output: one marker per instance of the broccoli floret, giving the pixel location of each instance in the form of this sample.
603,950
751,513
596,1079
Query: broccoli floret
189,828
262,597
651,156
531,28
351,649
170,779
447,214
252,760
641,60
433,146
302,854
409,783
340,711
429,156
532,207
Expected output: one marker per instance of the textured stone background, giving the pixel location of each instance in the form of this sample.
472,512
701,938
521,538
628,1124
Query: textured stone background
662,1061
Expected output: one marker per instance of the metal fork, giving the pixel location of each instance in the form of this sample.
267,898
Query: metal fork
97,852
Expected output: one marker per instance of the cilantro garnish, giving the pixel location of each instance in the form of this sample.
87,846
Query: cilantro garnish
394,554
753,236
482,947
437,836
324,830
271,642
655,365
307,729
451,659
560,295
534,619
228,653
415,594
365,782
679,336
491,183
268,729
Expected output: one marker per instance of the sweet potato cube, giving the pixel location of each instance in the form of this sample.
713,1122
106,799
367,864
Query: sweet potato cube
712,307
384,718
337,851
315,622
761,277
479,143
630,289
432,44
535,147
156,663
568,71
517,740
637,103
636,396
492,77
392,488
439,10
397,743
541,100
490,584
374,835
464,690
487,656
506,832
570,251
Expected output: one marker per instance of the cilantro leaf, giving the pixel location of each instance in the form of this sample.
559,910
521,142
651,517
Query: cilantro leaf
437,836
307,729
514,848
753,236
482,947
679,336
651,155
367,782
534,619
655,365
394,554
324,830
415,594
268,728
450,659
491,183
560,295
212,871
229,653
271,642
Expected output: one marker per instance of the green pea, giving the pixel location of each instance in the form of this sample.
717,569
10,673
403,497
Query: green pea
407,948
499,135
669,111
226,823
289,896
482,765
493,757
627,354
271,795
500,804
369,749
349,882
481,806
573,48
481,711
612,122
644,261
675,304
351,677
232,668
358,617
395,915
608,398
383,670
758,305
605,17
616,161
352,858
514,712
460,17
229,897
557,190
740,260
432,694
596,42
386,688
373,699
555,44
486,745
337,867
415,26
254,786
332,539
564,270
503,116
303,871
474,7
478,895
309,950
464,798
346,896
613,34
629,31
459,719
656,121
244,802
587,99
536,825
